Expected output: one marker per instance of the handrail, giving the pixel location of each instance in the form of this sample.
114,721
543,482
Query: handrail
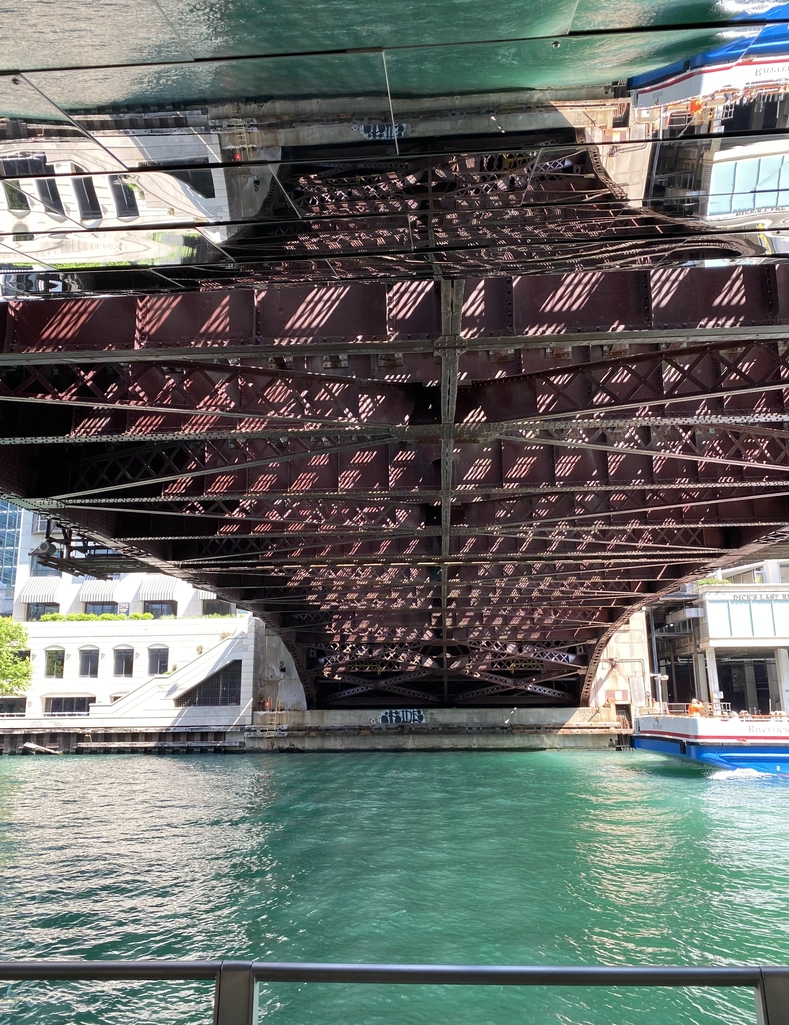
235,1004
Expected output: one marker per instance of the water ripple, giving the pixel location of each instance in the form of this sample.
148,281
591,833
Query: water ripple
553,858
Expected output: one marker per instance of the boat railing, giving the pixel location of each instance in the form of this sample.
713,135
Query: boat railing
235,992
723,708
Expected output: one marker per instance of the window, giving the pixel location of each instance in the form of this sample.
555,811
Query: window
124,661
37,609
87,200
101,608
89,662
157,660
221,688
214,607
38,569
54,661
49,195
18,202
160,609
39,523
12,706
123,194
67,706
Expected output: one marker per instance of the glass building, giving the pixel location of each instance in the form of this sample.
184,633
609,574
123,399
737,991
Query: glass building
10,522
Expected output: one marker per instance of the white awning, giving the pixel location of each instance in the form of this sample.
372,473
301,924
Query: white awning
206,594
97,590
39,589
157,587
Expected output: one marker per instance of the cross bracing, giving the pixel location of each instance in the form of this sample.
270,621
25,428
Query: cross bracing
460,530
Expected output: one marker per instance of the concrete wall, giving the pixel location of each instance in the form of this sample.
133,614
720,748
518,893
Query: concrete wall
432,742
461,716
280,686
623,674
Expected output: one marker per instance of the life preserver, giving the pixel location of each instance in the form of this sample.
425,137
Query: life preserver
695,707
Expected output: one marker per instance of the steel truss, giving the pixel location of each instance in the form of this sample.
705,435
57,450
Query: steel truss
437,491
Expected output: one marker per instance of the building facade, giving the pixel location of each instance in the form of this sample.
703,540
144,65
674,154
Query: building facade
143,652
726,638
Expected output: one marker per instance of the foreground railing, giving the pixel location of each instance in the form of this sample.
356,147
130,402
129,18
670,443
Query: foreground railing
236,989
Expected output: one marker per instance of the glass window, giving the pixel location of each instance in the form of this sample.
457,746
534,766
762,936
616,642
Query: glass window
123,194
89,662
35,610
68,705
157,660
762,614
740,612
101,608
38,569
718,619
781,617
17,201
124,661
160,609
55,660
49,195
221,688
215,607
12,706
39,523
87,200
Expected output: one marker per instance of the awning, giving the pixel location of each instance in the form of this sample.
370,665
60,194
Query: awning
206,594
39,589
158,588
97,590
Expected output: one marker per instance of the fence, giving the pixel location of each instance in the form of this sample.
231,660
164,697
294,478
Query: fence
235,992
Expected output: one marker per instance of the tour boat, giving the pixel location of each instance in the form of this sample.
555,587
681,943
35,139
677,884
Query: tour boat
722,739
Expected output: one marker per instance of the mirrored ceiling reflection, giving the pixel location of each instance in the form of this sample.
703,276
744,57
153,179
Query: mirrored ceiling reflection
508,157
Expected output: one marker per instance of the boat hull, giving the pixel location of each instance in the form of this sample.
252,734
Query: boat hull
761,757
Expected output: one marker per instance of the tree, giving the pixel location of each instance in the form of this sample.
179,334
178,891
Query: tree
15,667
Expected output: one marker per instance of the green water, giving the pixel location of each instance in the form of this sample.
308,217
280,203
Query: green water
153,52
472,857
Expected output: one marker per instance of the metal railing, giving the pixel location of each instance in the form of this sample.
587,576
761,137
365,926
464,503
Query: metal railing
235,994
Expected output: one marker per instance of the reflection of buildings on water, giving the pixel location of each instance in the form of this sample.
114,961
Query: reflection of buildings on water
734,184
211,196
147,191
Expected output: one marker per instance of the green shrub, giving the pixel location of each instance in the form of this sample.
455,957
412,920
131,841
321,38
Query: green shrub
142,615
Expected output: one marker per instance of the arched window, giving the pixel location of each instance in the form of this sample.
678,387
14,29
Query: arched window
54,662
158,660
89,662
124,662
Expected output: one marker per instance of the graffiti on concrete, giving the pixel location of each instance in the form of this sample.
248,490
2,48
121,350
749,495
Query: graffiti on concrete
381,133
399,717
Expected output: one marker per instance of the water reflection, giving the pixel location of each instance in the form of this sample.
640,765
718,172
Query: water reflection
484,158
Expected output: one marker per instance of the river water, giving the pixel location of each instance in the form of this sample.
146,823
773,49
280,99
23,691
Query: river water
553,858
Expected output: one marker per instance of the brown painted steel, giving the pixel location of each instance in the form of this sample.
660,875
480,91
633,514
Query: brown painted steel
450,466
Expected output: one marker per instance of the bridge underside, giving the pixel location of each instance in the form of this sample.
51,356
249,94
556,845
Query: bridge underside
463,391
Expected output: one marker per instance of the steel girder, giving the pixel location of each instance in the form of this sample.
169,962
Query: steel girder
458,477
